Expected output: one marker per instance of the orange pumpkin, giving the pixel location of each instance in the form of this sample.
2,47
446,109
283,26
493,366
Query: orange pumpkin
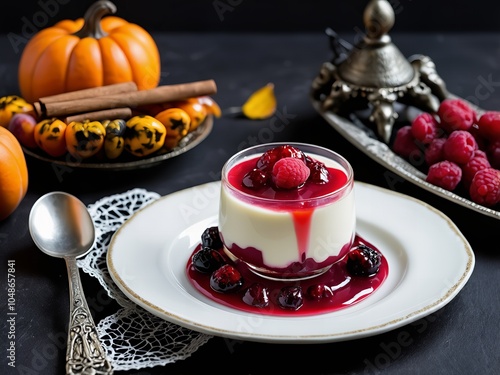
13,173
88,52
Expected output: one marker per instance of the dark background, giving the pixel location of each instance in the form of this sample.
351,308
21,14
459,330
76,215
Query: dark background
259,15
460,339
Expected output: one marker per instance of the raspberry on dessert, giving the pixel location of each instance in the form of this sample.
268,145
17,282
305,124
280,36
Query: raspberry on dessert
476,163
489,125
455,114
318,172
256,179
211,238
424,128
363,261
290,297
290,173
485,187
404,143
226,278
207,260
319,292
459,147
445,174
256,295
270,157
434,151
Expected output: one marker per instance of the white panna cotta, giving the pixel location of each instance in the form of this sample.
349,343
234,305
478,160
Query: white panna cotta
288,233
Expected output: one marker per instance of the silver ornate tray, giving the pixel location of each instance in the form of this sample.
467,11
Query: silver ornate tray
128,162
381,153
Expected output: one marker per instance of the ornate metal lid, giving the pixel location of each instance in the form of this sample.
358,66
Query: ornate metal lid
375,62
374,75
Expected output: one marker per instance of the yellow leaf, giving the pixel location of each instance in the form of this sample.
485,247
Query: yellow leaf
261,104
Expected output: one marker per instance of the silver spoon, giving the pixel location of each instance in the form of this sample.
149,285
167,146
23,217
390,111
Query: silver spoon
61,226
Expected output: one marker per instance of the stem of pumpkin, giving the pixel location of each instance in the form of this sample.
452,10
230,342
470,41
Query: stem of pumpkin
92,19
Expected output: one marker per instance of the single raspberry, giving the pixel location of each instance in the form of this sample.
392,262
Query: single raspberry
424,128
493,152
459,147
455,114
445,174
434,152
489,125
404,143
290,173
485,187
476,163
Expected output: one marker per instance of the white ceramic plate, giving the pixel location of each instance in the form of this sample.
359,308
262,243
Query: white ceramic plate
429,263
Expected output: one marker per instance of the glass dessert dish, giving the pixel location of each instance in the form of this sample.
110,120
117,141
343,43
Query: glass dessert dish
287,219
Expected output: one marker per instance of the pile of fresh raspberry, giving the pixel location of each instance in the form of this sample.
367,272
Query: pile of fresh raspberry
457,147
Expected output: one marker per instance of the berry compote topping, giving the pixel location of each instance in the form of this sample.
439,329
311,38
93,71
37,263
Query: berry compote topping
318,172
269,158
285,167
256,179
233,284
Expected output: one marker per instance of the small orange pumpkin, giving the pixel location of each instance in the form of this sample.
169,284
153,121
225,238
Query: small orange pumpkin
13,173
88,52
177,122
50,136
196,111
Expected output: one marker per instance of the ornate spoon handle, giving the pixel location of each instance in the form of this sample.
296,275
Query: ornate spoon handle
85,354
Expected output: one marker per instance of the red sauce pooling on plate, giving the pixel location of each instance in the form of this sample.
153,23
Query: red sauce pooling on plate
347,289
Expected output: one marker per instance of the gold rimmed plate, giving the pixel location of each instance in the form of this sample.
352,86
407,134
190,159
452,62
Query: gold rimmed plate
429,260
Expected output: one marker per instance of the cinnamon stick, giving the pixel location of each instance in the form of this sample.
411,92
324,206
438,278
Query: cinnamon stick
92,92
106,114
158,95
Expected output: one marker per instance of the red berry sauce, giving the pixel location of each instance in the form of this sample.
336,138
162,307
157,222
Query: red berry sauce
310,190
347,289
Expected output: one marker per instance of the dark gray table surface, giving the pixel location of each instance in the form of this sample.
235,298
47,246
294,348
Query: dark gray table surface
461,338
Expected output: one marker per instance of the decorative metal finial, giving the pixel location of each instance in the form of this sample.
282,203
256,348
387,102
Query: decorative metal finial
378,18
374,74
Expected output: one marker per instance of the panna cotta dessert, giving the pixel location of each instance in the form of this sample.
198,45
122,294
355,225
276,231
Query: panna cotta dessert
287,210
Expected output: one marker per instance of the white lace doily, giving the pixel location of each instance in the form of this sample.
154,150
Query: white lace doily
132,337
